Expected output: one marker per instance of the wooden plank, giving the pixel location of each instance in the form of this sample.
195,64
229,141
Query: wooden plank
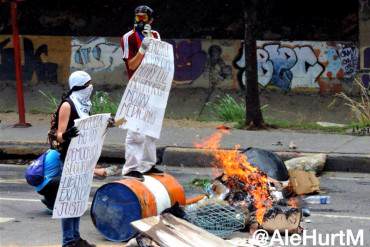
169,231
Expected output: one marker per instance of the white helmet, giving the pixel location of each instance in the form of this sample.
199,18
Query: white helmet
78,78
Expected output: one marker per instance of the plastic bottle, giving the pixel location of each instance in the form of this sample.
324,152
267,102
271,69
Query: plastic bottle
317,199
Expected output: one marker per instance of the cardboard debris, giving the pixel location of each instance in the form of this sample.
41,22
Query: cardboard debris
283,221
303,182
169,231
315,162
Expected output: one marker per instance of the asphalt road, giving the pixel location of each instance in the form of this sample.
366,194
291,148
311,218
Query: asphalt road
25,222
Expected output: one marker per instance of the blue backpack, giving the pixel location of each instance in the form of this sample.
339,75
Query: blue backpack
35,171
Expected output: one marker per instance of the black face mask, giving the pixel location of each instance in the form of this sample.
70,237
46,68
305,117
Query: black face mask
139,26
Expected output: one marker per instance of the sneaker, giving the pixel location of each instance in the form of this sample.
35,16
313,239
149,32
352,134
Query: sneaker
154,170
134,174
83,243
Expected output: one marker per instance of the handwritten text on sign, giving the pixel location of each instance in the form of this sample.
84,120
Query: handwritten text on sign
78,169
144,101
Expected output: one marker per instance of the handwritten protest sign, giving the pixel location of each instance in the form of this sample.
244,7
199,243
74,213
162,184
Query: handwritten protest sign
144,101
78,169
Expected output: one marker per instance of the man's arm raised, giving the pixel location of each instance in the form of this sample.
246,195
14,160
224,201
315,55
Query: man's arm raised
136,60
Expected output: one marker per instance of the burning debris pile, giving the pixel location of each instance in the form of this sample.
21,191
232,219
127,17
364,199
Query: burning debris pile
251,189
265,201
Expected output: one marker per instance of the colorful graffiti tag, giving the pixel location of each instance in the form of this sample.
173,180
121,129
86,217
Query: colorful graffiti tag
324,66
95,55
300,64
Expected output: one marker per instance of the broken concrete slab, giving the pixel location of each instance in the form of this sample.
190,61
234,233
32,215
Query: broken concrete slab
314,162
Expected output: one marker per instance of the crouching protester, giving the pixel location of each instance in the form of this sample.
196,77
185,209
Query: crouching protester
75,104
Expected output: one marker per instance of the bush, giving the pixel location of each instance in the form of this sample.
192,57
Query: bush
361,107
227,109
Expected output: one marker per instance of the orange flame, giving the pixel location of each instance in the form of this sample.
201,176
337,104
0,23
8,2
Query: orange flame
236,166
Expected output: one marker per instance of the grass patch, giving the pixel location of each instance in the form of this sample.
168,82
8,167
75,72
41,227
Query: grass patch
52,102
285,124
359,108
229,110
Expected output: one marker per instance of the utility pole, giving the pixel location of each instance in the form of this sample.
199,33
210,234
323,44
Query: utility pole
18,67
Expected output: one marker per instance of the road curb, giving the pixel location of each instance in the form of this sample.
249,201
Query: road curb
184,156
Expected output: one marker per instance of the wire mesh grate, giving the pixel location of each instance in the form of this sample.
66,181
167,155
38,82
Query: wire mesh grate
216,218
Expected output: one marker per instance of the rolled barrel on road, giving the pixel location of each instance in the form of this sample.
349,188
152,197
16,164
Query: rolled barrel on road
117,204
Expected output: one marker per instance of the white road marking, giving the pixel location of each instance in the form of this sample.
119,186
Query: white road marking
346,178
23,199
18,199
342,216
4,219
95,184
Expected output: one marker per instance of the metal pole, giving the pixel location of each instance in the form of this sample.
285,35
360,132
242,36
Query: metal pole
18,68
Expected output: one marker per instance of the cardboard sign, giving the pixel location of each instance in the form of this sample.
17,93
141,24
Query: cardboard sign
78,169
145,98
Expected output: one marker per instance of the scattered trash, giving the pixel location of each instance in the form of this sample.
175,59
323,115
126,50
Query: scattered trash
307,221
268,162
315,162
201,182
306,212
317,199
303,182
282,218
292,145
278,143
218,190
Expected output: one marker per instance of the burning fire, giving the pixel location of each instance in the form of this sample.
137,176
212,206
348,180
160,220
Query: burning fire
237,168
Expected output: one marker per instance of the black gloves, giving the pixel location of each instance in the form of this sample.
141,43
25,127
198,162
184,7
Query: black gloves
70,133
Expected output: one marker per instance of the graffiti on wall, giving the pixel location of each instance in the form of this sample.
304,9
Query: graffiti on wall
366,66
33,62
198,63
366,56
190,60
216,66
95,55
288,65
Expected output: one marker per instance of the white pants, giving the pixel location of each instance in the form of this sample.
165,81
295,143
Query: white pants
140,153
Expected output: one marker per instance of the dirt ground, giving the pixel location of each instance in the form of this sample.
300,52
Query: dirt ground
189,104
12,118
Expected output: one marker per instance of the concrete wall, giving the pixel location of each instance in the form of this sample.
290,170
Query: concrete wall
364,37
325,67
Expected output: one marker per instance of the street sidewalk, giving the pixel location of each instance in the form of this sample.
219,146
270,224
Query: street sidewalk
176,145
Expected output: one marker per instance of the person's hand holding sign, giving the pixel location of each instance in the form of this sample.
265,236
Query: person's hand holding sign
147,32
144,45
70,133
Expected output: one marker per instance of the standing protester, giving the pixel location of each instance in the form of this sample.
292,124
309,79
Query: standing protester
76,104
140,152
